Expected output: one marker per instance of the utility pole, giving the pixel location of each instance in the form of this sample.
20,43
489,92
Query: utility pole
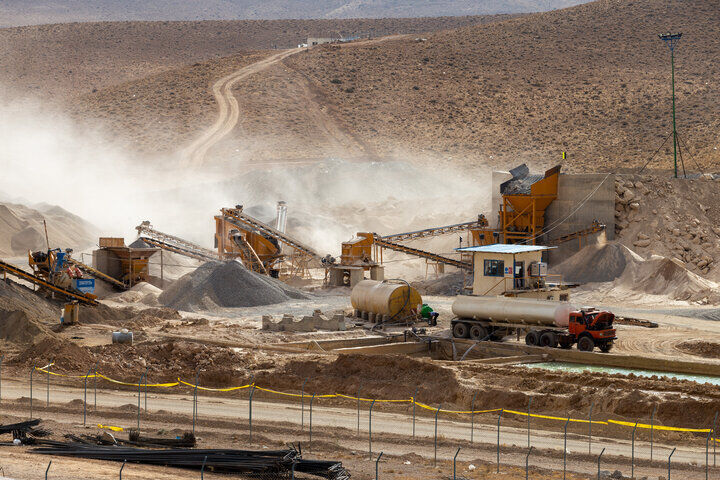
671,40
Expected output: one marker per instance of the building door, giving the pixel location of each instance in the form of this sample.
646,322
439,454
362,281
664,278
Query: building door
519,275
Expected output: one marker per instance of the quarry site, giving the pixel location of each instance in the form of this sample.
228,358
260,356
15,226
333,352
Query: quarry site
360,240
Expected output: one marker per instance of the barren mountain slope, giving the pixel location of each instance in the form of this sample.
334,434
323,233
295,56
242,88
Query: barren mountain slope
69,59
592,80
20,12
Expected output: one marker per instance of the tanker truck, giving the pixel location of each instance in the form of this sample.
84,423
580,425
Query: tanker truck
546,323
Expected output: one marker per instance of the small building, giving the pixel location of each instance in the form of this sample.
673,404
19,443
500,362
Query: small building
312,41
511,270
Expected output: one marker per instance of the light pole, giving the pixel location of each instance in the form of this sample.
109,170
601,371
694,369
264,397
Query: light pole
671,40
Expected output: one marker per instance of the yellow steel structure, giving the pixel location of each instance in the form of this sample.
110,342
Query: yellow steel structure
522,215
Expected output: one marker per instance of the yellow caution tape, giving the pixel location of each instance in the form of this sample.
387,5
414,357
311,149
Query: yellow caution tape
229,389
44,370
432,409
110,427
371,399
661,427
173,384
564,419
306,395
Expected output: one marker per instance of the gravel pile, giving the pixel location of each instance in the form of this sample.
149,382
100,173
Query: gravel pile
226,285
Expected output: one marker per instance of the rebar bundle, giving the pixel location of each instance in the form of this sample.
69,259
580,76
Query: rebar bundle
217,460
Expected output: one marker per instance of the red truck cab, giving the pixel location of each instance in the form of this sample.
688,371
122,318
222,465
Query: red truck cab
591,328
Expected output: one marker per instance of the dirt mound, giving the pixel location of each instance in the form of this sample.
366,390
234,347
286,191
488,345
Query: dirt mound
597,263
226,285
68,355
143,292
371,373
700,348
450,285
19,327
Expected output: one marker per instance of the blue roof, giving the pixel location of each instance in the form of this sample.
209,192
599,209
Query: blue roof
504,248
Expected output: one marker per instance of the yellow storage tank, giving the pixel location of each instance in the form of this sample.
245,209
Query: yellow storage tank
389,300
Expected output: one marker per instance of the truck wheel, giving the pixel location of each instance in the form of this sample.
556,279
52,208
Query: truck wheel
532,338
478,332
460,330
586,344
548,339
605,347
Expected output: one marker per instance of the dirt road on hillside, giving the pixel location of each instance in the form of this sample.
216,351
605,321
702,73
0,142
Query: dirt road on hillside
228,109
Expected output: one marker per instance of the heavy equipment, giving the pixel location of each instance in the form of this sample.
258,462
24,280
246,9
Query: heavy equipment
55,267
545,323
262,248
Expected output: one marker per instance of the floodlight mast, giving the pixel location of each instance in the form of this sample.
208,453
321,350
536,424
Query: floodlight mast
671,40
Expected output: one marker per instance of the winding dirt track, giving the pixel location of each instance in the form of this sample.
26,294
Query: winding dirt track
228,109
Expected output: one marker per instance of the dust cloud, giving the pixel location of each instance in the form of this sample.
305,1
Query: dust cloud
45,157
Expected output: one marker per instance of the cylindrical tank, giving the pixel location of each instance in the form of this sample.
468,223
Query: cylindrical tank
122,336
529,311
392,298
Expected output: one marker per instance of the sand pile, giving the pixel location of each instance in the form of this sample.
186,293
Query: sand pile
143,293
18,327
597,263
17,298
21,229
450,284
66,354
226,285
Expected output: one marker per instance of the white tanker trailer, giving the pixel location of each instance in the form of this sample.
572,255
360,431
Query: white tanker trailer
546,323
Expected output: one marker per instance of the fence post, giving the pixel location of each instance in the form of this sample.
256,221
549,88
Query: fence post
565,449
632,458
139,396
121,468
370,428
527,463
47,469
528,419
195,409
592,404
498,441
147,368
358,409
95,386
202,469
85,396
599,457
472,418
437,412
47,389
31,392
714,434
669,457
311,405
652,427
252,392
1,360
377,467
455,462
414,400
302,405
707,455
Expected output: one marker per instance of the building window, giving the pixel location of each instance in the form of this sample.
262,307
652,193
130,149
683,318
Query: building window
494,268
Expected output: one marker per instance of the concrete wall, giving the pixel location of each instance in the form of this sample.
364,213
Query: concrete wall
572,190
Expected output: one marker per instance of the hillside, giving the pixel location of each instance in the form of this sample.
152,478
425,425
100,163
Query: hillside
61,61
19,12
592,80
